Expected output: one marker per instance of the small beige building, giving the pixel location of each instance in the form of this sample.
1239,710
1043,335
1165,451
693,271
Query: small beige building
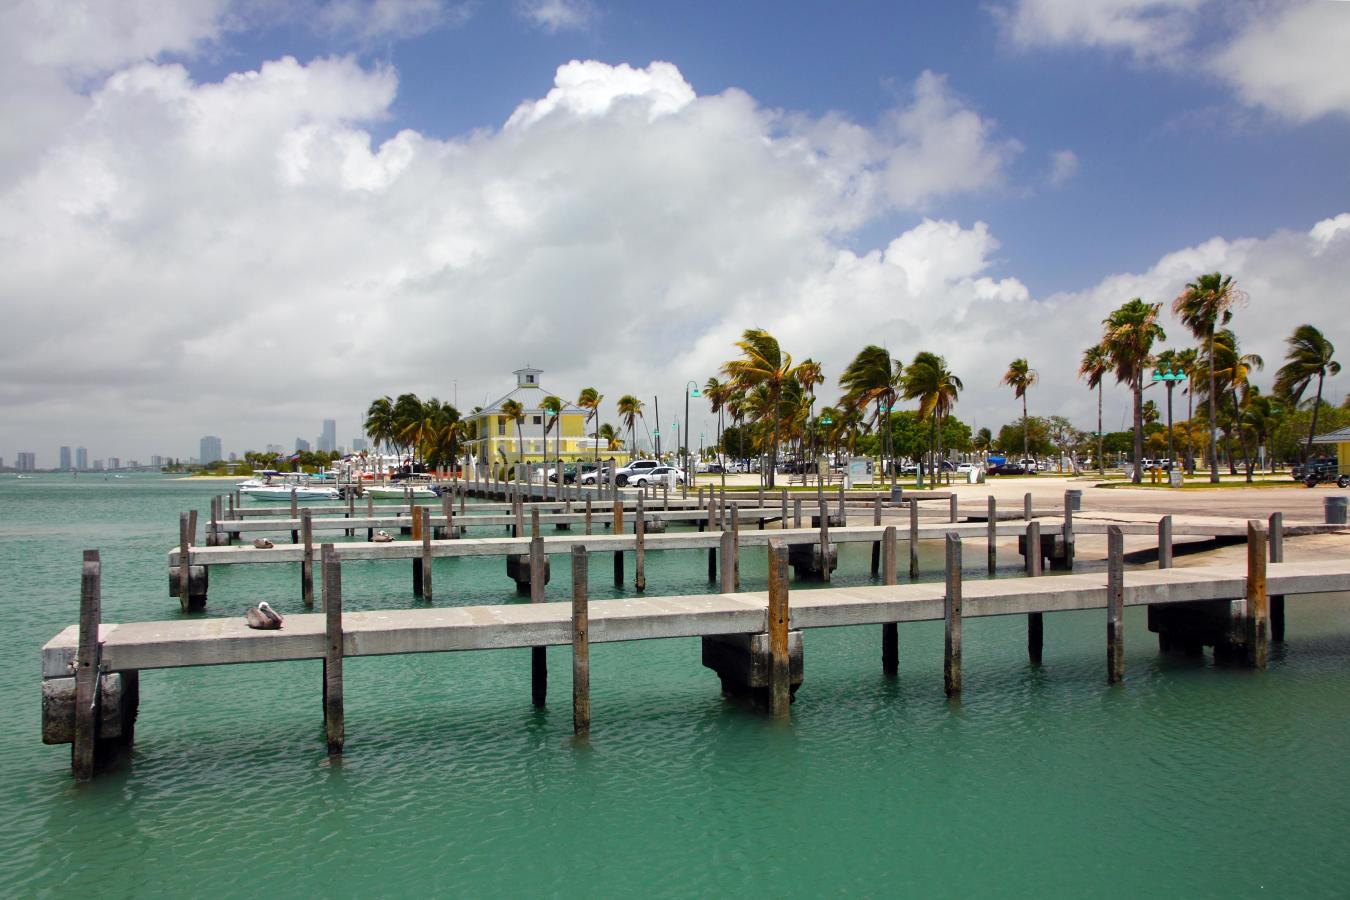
493,438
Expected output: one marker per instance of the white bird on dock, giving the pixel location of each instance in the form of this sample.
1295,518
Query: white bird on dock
263,617
382,537
262,544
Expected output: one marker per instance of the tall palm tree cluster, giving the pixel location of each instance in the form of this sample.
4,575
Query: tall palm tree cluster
775,398
427,432
1216,371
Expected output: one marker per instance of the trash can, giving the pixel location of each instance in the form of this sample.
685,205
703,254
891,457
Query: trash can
895,493
973,476
1174,478
1075,499
1335,509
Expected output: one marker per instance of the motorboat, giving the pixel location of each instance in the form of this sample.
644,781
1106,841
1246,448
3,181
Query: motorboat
399,490
266,486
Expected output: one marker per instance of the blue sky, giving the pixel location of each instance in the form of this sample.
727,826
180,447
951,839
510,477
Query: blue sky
519,180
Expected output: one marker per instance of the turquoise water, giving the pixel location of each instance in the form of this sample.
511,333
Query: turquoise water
1186,780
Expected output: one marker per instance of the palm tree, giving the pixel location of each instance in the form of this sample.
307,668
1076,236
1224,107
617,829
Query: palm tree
380,422
1020,376
589,400
1094,367
607,434
1203,306
719,394
873,378
928,381
553,406
1232,369
513,411
1310,354
630,410
763,364
1128,339
810,374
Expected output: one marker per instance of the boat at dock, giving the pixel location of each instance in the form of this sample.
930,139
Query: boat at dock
400,491
270,486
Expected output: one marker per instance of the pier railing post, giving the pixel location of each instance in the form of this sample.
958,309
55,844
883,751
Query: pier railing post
913,537
616,527
951,614
1258,612
1115,605
824,542
538,655
953,514
1165,542
581,643
992,538
1026,506
1035,621
1067,533
783,509
796,512
890,631
88,686
728,547
780,673
736,545
333,719
184,562
876,545
1276,539
307,560
589,514
425,513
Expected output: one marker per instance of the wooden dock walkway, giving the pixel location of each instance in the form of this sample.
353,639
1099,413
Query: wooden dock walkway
751,639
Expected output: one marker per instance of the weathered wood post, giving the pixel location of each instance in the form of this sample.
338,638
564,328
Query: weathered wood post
843,512
463,492
639,547
184,562
88,666
538,655
1067,535
1258,611
736,541
1277,556
589,514
1115,605
951,614
992,538
780,673
231,502
307,561
760,502
824,542
351,512
952,515
913,537
783,509
796,512
1165,542
295,511
333,721
729,550
876,545
616,527
518,510
1035,621
425,513
211,523
581,643
1026,506
890,631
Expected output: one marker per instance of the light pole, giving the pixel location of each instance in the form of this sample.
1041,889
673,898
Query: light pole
827,421
1171,378
690,390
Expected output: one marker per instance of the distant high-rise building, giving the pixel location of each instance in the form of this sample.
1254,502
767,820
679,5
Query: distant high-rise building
26,461
157,461
328,440
65,459
301,446
115,462
81,458
210,449
274,449
358,445
134,464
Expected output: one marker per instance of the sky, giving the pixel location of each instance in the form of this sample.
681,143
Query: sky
239,218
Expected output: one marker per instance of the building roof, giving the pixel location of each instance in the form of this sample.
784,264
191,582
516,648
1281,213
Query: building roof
1339,436
528,392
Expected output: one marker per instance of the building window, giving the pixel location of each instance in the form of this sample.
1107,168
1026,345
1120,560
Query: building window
501,425
538,420
529,379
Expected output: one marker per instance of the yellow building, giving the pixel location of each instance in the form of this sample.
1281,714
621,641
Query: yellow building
1342,441
493,438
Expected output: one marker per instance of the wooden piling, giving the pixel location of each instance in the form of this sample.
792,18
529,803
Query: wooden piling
780,675
1258,610
796,512
1165,542
992,538
184,561
1276,540
639,547
1035,621
307,560
538,655
729,550
783,509
890,631
824,543
1026,506
88,665
952,515
616,527
333,719
351,512
425,515
1115,605
581,644
843,511
1067,533
951,613
736,544
876,545
295,505
589,514
913,538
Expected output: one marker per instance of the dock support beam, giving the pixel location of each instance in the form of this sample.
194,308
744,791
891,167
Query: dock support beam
1165,542
1277,556
729,549
426,592
639,547
581,644
307,561
992,538
88,668
780,673
1115,605
334,726
538,655
913,538
890,631
951,614
1035,621
1258,613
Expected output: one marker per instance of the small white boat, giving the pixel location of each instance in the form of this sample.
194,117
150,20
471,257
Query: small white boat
398,491
281,493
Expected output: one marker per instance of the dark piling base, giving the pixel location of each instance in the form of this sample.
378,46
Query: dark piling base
518,570
1184,629
1054,549
198,582
805,560
742,663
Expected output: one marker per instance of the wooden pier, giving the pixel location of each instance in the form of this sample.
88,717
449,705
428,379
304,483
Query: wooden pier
752,640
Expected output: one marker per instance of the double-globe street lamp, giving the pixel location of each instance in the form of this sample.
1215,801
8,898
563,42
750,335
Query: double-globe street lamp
690,390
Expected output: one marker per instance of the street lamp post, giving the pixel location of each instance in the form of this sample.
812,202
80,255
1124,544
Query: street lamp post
1171,378
826,421
690,390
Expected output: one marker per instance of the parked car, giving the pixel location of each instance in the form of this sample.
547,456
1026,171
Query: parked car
655,476
636,467
605,474
1007,468
1030,466
966,467
569,474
